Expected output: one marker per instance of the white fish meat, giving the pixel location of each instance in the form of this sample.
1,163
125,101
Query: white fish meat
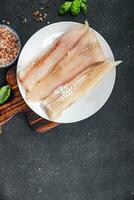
41,66
62,97
86,53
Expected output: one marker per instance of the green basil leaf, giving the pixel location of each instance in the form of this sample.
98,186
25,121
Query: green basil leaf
84,1
65,7
5,92
84,8
75,7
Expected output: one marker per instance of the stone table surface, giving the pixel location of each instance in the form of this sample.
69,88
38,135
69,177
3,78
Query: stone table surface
89,160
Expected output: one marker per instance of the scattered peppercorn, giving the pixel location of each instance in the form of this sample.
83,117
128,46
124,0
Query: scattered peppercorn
23,20
5,22
39,16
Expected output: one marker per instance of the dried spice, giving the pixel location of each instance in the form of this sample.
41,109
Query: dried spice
23,20
39,16
5,22
8,46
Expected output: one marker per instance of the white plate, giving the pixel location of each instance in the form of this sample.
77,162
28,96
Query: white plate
88,104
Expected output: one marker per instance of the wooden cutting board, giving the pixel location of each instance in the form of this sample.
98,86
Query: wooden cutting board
16,104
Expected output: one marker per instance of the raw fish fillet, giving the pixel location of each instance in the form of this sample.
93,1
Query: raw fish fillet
88,40
36,70
62,97
84,54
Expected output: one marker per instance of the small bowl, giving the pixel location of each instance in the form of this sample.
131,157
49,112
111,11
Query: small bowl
19,45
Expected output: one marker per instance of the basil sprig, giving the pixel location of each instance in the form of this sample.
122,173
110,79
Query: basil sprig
5,92
74,7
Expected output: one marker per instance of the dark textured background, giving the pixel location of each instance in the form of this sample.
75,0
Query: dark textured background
90,160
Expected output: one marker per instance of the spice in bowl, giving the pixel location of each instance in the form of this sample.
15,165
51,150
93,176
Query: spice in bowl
9,46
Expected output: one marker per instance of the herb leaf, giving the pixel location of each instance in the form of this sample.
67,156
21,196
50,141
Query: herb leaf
5,92
84,8
84,1
75,7
65,7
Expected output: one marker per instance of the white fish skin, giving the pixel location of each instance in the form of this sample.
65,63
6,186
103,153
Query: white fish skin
68,68
44,64
76,88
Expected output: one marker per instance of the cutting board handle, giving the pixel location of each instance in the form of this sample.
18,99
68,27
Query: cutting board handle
9,109
16,103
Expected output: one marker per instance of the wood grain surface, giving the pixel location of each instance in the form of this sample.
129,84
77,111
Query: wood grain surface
16,104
